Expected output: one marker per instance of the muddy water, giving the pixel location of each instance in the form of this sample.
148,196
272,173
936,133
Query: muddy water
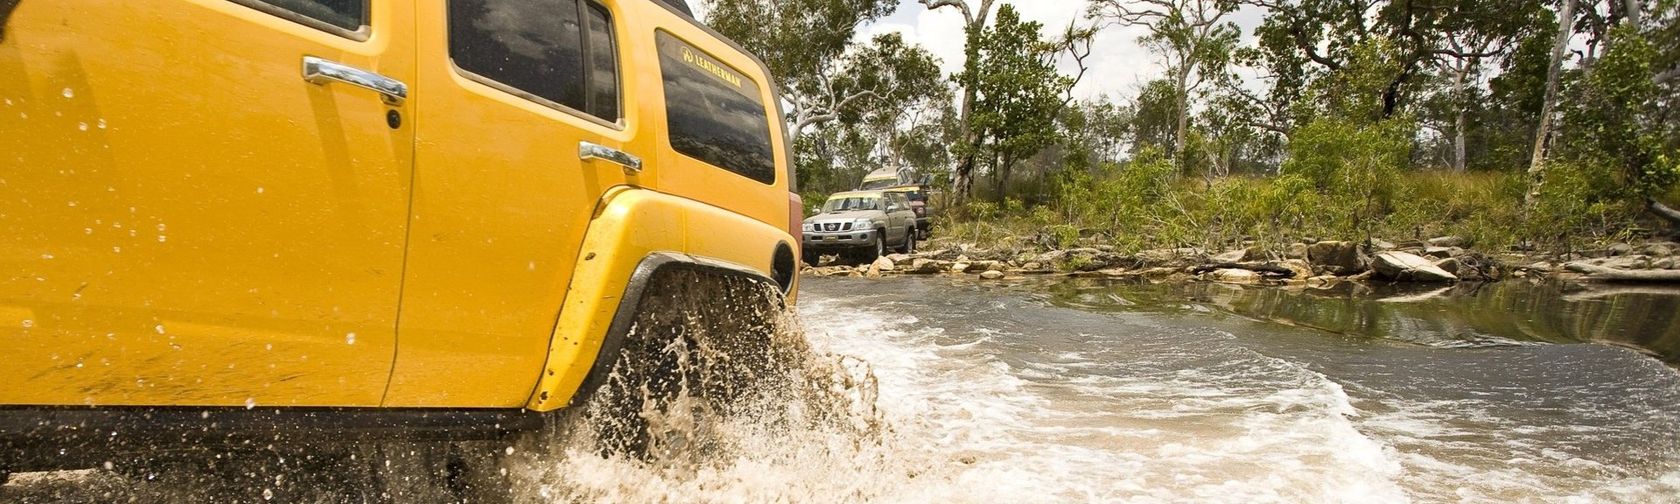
1071,391
1081,391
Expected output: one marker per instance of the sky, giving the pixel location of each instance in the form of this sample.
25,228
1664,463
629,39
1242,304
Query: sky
1118,65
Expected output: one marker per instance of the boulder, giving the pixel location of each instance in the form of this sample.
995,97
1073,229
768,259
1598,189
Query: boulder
1660,249
1447,241
900,259
883,265
1628,263
992,275
1408,267
1450,265
1232,256
1295,251
1336,257
960,267
924,267
1033,266
1298,269
1664,263
1378,244
1234,276
1442,252
1620,249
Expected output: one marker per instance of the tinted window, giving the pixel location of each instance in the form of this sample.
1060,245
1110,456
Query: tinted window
537,48
714,112
603,76
347,14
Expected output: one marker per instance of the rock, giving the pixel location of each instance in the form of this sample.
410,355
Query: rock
1540,266
992,275
900,259
1232,256
1628,263
1450,265
1664,263
962,258
1336,257
1447,241
1660,249
1323,282
960,267
1033,266
1442,252
1234,276
1620,249
1298,268
1407,267
1377,244
1295,251
924,267
883,265
988,266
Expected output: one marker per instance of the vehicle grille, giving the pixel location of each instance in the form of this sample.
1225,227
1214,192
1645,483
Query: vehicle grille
834,226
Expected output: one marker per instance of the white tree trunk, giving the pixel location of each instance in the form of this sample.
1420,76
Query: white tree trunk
1537,161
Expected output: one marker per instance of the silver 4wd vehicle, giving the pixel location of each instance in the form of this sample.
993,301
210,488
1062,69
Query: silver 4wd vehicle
861,225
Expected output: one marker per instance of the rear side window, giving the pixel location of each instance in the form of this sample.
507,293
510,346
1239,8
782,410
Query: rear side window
715,113
556,52
347,15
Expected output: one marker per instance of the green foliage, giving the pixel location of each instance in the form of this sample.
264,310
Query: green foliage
1611,122
1019,93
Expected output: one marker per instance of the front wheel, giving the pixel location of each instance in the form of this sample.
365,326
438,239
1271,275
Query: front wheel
910,235
880,249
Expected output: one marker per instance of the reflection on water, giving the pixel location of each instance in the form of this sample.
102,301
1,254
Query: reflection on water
1465,315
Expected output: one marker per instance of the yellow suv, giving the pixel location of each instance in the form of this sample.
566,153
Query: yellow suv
358,214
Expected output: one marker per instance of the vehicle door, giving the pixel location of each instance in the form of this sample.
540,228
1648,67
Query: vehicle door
902,217
203,202
522,128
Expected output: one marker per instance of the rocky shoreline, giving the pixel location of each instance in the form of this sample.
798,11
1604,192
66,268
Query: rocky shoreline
1313,264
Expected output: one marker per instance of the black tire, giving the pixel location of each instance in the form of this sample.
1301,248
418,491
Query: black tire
810,257
871,254
909,241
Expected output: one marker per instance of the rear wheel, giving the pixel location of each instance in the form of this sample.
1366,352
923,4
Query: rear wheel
910,236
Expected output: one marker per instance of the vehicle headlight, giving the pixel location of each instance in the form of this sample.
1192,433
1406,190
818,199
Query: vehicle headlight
863,225
810,227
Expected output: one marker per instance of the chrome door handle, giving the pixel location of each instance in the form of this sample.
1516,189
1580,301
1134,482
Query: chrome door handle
321,71
588,151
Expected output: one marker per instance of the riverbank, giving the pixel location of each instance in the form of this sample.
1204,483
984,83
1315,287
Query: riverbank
1311,263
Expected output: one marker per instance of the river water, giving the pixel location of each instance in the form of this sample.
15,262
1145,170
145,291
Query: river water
1073,391
1076,391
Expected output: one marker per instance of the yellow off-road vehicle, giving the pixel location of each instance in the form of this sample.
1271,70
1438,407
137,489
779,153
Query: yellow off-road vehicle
230,220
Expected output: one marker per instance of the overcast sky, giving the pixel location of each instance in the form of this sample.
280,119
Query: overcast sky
1118,65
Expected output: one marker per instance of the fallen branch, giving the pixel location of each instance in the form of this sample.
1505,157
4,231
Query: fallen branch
1257,267
1622,275
1669,214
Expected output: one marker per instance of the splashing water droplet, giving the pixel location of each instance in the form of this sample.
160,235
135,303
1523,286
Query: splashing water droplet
117,250
69,93
101,124
46,256
250,402
162,238
350,339
162,228
159,329
82,126
28,323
